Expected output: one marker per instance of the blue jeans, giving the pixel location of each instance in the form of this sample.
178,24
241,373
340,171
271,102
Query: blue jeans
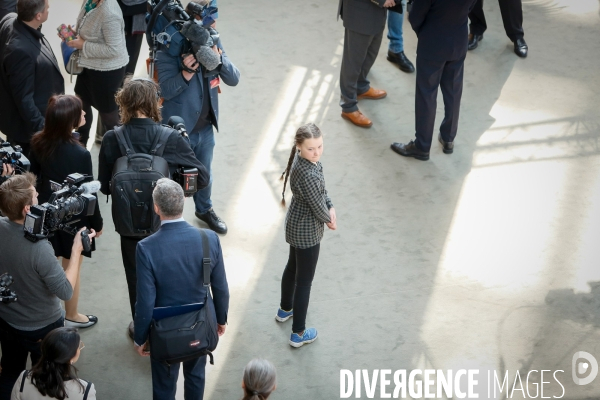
395,23
164,379
203,144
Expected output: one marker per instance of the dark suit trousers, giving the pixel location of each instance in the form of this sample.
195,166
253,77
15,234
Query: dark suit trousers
360,52
449,76
512,18
128,246
164,379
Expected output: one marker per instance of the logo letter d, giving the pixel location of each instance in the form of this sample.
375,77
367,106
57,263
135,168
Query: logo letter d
593,363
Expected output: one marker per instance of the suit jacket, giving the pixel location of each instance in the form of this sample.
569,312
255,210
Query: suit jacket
67,159
363,16
142,132
184,99
169,273
29,76
442,28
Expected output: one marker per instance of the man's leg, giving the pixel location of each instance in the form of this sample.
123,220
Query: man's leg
477,17
429,74
512,18
363,84
452,87
128,246
14,359
356,47
164,380
193,375
203,144
395,23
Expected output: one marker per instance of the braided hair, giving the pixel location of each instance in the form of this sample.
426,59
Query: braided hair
259,380
306,131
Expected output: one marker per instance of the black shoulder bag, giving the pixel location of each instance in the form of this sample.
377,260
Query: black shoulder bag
187,336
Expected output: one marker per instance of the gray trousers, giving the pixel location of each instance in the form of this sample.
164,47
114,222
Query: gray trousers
360,52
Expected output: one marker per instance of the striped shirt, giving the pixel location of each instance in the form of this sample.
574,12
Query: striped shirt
310,205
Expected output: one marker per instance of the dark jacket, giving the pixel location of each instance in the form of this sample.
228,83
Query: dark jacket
29,76
169,273
185,99
442,28
142,132
363,16
68,158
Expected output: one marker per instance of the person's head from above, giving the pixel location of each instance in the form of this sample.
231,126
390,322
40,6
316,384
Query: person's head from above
17,195
33,12
168,199
260,380
63,115
60,350
308,144
139,98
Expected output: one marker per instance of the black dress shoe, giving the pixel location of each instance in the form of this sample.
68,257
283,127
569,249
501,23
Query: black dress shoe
521,48
448,147
474,41
214,222
130,330
410,150
401,60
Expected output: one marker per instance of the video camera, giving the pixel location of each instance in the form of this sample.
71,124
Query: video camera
186,177
66,202
178,32
13,156
7,295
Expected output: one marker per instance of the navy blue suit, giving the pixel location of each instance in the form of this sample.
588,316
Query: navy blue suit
442,29
169,273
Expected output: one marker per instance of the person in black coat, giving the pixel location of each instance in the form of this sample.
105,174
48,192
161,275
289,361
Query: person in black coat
55,153
29,73
441,27
138,103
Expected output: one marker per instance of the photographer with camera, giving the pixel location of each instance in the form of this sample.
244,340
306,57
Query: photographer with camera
55,153
39,281
139,106
191,92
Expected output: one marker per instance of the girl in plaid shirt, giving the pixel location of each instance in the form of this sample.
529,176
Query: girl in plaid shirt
311,207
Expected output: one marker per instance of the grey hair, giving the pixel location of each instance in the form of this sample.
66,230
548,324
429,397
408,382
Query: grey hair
28,9
168,197
260,379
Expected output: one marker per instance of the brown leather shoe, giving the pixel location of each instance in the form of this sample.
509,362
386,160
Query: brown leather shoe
372,94
358,119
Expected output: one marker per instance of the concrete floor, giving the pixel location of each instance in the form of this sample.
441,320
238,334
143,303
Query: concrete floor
485,259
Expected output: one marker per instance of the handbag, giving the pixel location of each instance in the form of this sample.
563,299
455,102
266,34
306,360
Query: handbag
191,335
70,58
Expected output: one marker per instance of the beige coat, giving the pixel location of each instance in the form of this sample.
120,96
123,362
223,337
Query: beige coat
30,392
103,30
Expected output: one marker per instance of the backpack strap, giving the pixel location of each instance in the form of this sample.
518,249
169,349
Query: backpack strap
124,142
160,141
23,380
205,258
87,390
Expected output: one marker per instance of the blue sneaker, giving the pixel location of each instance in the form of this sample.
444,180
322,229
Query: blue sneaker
309,336
283,316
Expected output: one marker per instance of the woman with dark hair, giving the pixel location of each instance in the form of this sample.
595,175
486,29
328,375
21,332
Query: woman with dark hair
55,153
54,375
311,208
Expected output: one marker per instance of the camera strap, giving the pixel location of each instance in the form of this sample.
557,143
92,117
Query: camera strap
124,142
160,141
205,258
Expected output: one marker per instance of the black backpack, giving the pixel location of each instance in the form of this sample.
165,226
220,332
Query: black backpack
134,176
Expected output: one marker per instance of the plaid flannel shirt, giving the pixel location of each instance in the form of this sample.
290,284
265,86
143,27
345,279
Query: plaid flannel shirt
310,205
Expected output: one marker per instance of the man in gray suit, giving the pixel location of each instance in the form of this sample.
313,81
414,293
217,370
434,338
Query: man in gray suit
364,21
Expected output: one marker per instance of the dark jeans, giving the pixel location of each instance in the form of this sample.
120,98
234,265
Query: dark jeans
16,346
448,75
128,246
164,379
296,283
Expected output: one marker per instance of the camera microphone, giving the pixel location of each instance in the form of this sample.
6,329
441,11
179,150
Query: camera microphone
178,124
90,187
199,37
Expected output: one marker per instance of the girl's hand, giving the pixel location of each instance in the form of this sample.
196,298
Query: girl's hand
76,43
333,224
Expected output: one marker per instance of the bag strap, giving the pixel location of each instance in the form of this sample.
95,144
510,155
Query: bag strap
124,142
23,380
87,390
160,141
205,258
